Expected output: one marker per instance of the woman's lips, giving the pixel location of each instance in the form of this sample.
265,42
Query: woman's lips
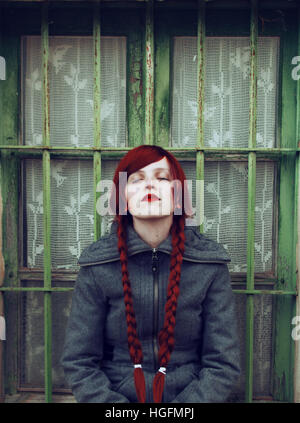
150,198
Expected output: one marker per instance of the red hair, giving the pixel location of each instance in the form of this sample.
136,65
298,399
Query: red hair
134,160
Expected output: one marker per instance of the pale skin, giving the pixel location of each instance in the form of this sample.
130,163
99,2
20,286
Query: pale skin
151,220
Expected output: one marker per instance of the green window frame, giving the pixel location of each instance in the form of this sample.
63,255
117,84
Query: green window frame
150,27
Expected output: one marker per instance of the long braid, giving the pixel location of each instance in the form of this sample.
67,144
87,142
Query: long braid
166,336
134,345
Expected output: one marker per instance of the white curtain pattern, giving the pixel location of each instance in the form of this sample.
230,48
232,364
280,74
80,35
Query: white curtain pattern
71,77
226,92
226,124
226,208
71,80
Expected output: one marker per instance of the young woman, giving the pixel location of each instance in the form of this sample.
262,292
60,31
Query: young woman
152,316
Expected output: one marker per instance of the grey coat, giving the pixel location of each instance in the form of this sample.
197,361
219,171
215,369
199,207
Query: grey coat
204,365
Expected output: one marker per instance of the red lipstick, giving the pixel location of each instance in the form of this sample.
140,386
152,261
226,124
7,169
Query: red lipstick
150,198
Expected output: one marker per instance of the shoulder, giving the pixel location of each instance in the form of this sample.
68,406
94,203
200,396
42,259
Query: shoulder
200,246
104,249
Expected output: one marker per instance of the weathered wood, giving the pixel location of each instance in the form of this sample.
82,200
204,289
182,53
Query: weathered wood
135,101
9,170
2,315
200,73
296,259
162,84
284,306
46,206
251,202
97,114
149,74
61,150
200,159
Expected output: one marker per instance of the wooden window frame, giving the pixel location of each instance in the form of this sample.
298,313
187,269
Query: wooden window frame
148,119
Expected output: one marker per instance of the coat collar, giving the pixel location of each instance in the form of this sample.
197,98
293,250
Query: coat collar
198,248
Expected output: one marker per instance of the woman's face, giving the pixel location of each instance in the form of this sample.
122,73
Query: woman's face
149,191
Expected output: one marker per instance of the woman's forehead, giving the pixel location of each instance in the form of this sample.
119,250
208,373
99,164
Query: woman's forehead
162,164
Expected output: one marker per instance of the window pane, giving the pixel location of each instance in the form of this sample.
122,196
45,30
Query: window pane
262,345
72,211
71,81
226,98
32,336
33,214
226,209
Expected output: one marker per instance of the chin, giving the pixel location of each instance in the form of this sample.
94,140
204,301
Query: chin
151,215
151,211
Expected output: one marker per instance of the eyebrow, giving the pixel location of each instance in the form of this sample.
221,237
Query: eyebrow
159,169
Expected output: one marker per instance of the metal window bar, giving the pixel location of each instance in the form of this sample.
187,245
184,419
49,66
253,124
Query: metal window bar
23,150
149,75
200,101
46,206
97,118
296,260
251,204
252,152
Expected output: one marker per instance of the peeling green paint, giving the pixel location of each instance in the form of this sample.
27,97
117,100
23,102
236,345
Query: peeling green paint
97,115
135,103
162,84
9,180
284,306
149,74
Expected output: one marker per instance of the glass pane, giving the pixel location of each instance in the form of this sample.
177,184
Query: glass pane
226,98
33,213
71,81
226,209
262,345
32,336
72,211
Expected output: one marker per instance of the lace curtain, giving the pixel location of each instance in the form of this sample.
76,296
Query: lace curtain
226,98
226,124
71,80
226,209
71,124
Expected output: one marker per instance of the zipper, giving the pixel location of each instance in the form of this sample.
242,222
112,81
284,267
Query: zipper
155,306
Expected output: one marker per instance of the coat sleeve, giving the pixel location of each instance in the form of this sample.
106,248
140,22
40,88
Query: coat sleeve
220,352
83,349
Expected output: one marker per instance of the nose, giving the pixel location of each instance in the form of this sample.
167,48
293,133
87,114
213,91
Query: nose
149,183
